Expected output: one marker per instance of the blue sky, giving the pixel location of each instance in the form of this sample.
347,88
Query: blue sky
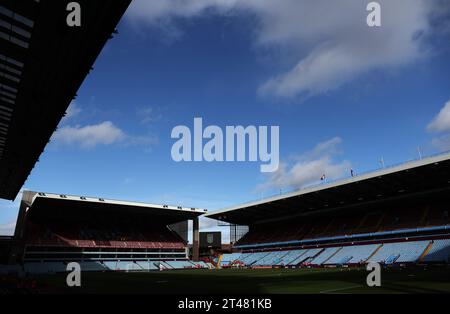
344,95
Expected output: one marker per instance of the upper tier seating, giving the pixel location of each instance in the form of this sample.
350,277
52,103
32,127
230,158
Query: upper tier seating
375,220
117,236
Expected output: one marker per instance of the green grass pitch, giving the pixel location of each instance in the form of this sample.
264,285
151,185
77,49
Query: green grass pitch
254,281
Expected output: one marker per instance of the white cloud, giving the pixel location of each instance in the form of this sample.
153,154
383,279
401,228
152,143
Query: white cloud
309,167
149,115
155,11
7,229
104,133
442,143
333,42
72,111
89,136
441,122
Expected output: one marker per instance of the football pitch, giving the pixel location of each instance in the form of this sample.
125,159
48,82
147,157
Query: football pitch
253,281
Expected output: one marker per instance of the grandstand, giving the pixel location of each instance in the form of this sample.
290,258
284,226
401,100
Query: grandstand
53,230
394,216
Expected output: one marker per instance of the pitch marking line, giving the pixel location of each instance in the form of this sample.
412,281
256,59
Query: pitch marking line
340,289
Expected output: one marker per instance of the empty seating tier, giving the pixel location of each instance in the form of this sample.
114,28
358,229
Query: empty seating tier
386,253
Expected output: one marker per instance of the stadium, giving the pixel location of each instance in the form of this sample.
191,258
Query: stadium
328,233
318,239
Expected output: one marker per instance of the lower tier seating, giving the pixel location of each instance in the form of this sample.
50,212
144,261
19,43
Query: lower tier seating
352,254
439,252
387,253
58,267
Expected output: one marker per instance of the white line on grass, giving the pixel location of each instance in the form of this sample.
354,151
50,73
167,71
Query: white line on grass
340,289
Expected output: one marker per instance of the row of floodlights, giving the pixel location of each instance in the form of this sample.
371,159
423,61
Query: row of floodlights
179,207
65,196
102,200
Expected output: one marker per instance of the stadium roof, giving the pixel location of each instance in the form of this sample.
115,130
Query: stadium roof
47,202
421,177
43,62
